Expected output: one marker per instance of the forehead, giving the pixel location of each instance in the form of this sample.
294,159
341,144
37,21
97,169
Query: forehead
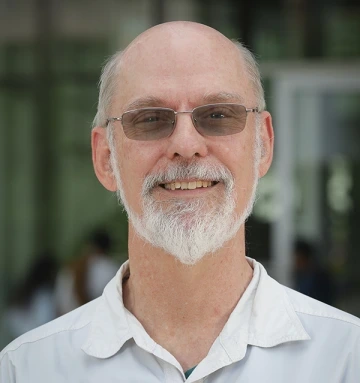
182,68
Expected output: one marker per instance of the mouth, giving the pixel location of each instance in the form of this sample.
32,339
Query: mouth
188,185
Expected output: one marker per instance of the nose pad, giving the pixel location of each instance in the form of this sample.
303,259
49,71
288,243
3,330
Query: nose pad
186,141
194,122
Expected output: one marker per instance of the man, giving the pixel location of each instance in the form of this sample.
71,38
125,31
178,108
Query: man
182,136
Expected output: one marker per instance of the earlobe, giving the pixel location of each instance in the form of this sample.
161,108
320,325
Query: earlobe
267,143
101,158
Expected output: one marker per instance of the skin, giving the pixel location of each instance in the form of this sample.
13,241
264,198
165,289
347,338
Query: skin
183,308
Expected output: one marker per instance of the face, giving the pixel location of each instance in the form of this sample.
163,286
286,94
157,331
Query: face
182,71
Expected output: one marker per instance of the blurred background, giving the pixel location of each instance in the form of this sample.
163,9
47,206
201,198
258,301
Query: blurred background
62,236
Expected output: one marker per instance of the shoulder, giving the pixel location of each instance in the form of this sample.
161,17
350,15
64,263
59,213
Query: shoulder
64,326
316,311
334,337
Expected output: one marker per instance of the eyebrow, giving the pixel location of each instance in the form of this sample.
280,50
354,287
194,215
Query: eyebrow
151,101
145,102
223,97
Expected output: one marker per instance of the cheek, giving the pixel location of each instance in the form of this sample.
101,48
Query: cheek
136,160
237,156
130,171
240,161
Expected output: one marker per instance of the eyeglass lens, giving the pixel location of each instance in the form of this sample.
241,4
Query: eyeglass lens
210,120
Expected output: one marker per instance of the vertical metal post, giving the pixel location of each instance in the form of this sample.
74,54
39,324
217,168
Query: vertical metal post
244,21
283,228
158,12
314,26
45,127
6,200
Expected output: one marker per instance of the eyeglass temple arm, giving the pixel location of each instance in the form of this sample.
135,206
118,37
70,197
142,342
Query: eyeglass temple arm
111,119
253,110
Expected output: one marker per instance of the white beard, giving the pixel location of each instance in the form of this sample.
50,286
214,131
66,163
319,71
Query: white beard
189,229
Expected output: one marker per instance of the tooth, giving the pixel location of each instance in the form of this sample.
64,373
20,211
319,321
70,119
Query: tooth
209,183
167,186
184,185
192,185
205,184
177,185
198,184
172,185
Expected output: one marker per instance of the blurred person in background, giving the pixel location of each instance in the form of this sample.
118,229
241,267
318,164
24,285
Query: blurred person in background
311,278
33,303
84,278
182,136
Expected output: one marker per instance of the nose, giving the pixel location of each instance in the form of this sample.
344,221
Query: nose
186,141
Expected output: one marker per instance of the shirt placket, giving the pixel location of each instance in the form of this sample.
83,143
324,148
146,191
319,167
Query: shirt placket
171,373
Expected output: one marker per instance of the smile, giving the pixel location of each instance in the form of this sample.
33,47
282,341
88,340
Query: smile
190,185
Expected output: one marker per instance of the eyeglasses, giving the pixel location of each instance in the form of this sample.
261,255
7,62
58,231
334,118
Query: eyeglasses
149,124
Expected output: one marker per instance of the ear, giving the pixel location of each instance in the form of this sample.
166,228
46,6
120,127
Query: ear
267,143
101,158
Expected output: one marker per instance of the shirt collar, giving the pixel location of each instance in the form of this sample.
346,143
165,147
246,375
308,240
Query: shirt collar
109,326
273,320
263,317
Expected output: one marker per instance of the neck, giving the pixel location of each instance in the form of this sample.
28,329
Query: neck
181,306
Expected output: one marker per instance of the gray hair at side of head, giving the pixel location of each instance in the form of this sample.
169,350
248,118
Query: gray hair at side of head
253,72
110,71
107,87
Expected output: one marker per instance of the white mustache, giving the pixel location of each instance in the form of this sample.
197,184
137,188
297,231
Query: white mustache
186,170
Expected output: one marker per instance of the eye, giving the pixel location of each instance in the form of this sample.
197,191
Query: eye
146,117
217,115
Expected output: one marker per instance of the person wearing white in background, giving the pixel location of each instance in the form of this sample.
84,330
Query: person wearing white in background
182,136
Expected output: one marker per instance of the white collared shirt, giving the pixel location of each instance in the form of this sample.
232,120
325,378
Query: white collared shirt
274,335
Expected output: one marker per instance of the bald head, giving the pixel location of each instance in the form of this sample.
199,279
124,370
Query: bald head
175,50
171,34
